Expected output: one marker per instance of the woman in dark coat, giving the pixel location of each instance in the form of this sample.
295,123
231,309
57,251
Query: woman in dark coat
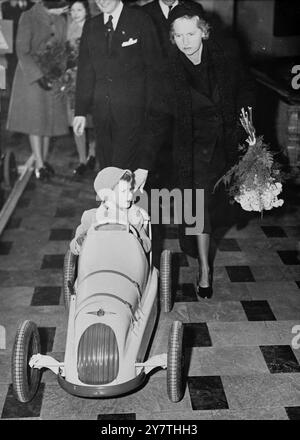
34,108
209,88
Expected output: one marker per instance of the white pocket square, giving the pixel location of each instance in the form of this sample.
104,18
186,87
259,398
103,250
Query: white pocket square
129,42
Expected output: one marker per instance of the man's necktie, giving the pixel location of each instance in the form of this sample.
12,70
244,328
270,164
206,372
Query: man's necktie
109,33
170,9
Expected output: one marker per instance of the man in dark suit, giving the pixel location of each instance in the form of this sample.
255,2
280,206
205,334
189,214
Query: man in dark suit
119,70
159,11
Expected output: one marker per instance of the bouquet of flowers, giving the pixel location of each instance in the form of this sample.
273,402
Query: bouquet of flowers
255,181
52,60
67,82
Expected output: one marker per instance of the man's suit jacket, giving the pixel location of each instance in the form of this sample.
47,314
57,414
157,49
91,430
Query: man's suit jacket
161,23
120,90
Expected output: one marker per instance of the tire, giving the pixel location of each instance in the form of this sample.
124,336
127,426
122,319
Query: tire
165,282
25,380
175,366
69,272
10,170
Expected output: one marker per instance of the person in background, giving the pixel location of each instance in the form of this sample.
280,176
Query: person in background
118,80
79,12
34,109
208,86
12,10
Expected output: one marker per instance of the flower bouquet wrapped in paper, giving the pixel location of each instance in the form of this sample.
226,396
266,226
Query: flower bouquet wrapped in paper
52,60
67,82
255,181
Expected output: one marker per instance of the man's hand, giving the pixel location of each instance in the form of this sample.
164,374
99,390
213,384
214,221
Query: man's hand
79,123
140,177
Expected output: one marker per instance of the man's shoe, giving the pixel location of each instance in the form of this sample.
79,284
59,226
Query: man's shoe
49,168
91,162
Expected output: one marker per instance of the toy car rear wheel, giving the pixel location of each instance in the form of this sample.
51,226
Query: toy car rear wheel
25,379
175,366
165,281
10,171
69,272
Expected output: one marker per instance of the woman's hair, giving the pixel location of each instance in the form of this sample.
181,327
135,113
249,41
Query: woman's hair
84,3
200,22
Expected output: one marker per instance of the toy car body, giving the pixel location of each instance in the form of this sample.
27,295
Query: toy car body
111,294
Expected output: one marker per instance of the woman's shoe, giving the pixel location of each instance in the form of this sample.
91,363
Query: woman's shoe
49,168
42,174
91,162
205,292
80,170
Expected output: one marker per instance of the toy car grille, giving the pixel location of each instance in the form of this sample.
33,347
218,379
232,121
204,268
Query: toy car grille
98,355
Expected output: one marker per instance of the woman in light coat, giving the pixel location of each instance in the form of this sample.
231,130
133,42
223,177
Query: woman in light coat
35,109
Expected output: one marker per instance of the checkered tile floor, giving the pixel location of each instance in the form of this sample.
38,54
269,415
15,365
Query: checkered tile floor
240,361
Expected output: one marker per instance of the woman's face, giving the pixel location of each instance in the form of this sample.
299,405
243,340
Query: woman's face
78,12
187,35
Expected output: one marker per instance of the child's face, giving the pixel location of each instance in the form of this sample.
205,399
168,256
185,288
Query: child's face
124,194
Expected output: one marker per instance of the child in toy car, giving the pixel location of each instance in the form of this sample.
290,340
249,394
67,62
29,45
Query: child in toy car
114,188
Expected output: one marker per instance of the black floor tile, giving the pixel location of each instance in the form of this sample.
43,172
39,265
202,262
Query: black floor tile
121,416
46,296
196,335
14,223
13,409
5,247
240,274
258,311
52,262
179,259
31,185
207,393
289,257
23,202
70,194
273,231
280,359
63,212
228,245
186,293
293,412
61,234
47,335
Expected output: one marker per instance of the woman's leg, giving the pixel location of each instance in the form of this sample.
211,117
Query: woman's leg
46,142
80,142
36,143
91,142
203,243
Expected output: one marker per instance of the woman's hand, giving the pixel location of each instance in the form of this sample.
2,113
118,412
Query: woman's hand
45,83
79,123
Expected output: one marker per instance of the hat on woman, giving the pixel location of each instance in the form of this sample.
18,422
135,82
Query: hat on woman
191,9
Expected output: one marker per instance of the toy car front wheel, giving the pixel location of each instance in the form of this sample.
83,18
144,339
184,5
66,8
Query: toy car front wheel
25,379
165,281
175,367
69,276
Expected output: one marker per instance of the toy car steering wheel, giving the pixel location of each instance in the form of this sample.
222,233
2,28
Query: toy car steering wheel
128,226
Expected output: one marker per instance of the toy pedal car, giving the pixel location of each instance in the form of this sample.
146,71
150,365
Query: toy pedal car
111,296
